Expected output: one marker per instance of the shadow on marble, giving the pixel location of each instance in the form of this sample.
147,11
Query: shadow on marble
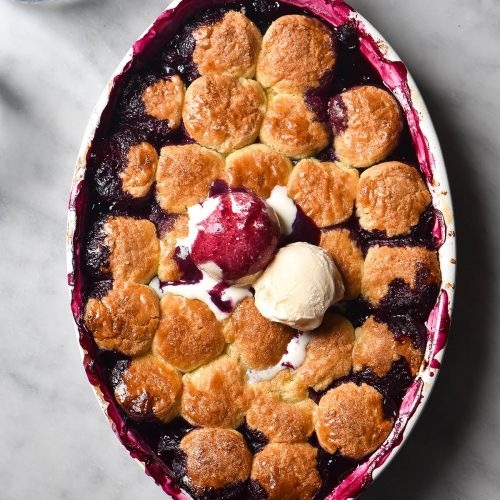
438,437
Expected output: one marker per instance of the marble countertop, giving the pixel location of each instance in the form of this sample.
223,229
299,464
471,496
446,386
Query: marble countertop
54,61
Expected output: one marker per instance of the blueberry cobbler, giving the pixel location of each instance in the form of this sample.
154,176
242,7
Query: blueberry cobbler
258,260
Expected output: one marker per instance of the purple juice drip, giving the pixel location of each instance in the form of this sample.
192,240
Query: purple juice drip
216,296
303,229
337,112
219,187
189,272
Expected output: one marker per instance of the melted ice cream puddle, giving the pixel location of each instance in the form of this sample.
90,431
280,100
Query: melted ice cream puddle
285,208
293,358
206,290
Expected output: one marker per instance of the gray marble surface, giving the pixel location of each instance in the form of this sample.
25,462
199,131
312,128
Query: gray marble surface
54,60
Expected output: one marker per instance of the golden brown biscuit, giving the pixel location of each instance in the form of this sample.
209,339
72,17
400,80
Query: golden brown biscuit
163,100
285,385
291,128
384,264
287,471
258,168
376,347
391,197
215,395
215,458
124,320
185,174
230,45
134,249
367,124
297,53
323,190
223,112
351,419
347,256
279,421
149,387
188,335
168,270
139,172
256,341
328,354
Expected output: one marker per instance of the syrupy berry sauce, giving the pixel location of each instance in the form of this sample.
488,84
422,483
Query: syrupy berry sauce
125,122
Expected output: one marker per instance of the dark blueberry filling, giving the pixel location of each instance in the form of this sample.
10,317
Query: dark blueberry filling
125,122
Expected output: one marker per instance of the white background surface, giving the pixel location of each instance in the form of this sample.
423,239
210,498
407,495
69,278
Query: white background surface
54,61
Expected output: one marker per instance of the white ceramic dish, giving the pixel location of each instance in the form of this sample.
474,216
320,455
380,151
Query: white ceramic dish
394,74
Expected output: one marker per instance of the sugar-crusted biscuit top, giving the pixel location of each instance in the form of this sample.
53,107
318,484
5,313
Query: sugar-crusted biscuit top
351,419
133,247
148,387
348,258
297,53
188,334
411,265
256,341
292,128
216,395
139,173
125,319
328,353
185,174
287,471
215,458
367,124
224,112
325,191
391,197
230,45
163,100
377,347
258,168
281,421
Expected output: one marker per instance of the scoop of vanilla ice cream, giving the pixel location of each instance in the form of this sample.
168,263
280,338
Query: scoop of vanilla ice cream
298,286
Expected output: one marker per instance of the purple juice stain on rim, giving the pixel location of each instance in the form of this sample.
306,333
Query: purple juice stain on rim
395,77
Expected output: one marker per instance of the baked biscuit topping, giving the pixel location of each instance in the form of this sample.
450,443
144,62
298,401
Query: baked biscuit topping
188,334
124,320
168,269
324,191
367,125
148,387
185,174
350,419
163,100
347,256
256,341
297,53
292,128
376,348
410,266
133,247
391,197
224,112
215,458
287,471
328,354
139,173
258,168
216,395
231,45
280,421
